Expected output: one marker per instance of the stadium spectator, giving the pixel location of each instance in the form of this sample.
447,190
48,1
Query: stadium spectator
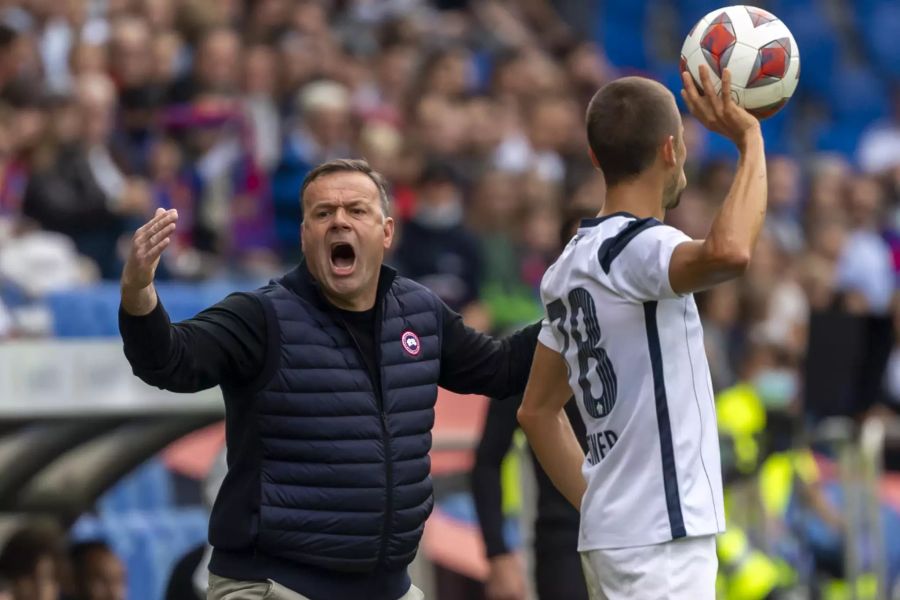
865,268
370,347
216,67
320,132
32,561
260,86
879,147
436,248
131,68
5,590
11,44
98,573
782,218
84,192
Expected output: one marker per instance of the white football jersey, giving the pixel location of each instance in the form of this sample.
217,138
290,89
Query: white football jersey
638,370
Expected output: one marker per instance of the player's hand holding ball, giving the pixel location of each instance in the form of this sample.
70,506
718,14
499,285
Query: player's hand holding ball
738,60
718,112
755,46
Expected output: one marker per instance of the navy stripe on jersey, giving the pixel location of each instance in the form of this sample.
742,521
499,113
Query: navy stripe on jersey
612,247
670,477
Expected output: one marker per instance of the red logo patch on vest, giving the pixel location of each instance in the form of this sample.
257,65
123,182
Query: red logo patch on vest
410,342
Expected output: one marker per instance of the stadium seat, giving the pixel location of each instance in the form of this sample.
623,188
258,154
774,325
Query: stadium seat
857,96
691,11
879,36
842,138
817,40
620,29
94,311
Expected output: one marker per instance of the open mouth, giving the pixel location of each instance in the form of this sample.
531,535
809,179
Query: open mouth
343,257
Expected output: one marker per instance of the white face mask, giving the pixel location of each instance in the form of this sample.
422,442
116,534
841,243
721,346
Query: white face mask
776,387
442,216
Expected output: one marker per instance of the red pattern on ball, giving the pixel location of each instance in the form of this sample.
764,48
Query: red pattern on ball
759,16
771,63
717,42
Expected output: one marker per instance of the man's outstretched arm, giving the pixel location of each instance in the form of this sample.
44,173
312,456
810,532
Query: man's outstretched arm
224,343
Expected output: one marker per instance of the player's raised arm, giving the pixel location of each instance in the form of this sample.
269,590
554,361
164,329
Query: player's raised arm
725,253
543,419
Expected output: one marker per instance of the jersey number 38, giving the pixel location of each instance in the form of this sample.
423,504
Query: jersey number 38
587,343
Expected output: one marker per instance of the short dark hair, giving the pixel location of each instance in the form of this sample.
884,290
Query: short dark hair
8,35
341,165
79,552
627,120
25,549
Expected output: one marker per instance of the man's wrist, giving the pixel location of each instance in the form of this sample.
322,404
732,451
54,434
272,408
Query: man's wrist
749,138
138,301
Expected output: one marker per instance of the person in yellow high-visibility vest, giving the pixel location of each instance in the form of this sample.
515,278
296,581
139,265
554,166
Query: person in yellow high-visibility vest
754,418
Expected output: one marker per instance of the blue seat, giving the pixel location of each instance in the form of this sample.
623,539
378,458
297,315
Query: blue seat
817,41
94,311
842,138
857,96
880,35
691,11
620,30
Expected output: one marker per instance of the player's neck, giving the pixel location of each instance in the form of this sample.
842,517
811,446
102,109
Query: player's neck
641,197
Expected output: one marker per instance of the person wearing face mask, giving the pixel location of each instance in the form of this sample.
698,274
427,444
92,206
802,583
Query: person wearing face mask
436,248
777,486
330,377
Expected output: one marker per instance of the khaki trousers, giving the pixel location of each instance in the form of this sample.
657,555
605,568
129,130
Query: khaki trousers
221,588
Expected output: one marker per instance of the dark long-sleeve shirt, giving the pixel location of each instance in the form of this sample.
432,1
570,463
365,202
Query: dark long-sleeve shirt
226,344
557,520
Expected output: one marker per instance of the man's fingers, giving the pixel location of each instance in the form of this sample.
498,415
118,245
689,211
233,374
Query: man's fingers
709,89
148,254
726,88
162,219
163,233
687,81
696,104
158,248
706,83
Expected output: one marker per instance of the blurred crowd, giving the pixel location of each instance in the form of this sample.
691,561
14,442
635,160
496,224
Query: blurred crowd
36,564
472,110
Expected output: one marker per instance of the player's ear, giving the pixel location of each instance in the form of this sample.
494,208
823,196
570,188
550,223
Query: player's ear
670,159
593,156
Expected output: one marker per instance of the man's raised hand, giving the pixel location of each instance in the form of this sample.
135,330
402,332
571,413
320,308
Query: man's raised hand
718,112
147,246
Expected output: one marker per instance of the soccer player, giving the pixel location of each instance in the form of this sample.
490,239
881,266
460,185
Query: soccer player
622,334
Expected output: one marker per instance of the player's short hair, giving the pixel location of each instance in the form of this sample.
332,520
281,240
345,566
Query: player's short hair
347,165
627,120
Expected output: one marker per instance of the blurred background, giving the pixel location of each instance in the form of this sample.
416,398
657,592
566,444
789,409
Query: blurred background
473,110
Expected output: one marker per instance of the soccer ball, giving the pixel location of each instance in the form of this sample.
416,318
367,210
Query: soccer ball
755,46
